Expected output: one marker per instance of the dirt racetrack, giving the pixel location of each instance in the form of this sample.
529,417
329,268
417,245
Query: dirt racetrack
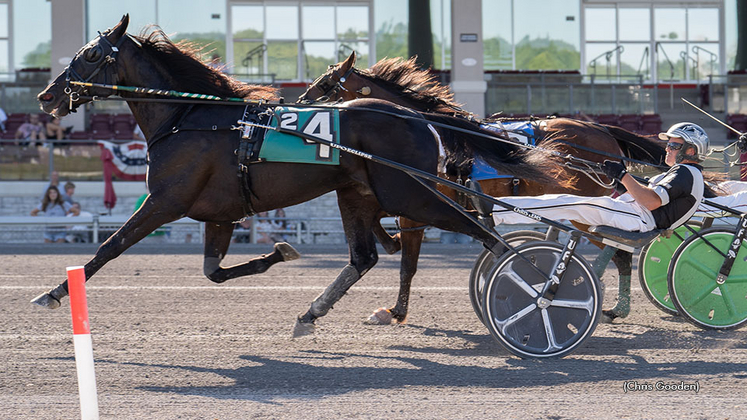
169,344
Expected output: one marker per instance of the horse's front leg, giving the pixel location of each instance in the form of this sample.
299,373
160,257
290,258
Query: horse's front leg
358,216
411,239
147,219
217,240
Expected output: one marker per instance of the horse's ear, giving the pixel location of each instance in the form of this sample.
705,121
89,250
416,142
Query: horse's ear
349,62
119,29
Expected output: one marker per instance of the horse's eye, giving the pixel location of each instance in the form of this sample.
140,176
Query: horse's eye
94,54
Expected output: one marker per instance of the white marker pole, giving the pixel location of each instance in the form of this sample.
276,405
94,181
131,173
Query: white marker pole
76,284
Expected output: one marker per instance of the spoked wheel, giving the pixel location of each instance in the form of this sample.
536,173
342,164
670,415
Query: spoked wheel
693,284
654,266
510,303
485,262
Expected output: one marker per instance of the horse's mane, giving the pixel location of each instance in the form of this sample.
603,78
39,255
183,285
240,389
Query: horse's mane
183,64
415,83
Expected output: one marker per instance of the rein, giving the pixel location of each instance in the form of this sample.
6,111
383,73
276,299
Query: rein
196,98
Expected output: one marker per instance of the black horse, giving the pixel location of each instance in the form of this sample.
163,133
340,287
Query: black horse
193,169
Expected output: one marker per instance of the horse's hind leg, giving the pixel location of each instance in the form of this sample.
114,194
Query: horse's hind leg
147,219
391,244
358,215
411,241
217,240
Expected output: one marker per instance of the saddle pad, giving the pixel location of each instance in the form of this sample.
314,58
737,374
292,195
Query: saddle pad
521,131
320,123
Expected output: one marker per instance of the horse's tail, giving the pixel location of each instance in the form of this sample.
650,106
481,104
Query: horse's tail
638,147
502,154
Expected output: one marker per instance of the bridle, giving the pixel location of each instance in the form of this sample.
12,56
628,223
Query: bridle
330,86
102,56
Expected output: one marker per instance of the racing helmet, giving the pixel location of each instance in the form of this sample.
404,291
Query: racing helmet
691,134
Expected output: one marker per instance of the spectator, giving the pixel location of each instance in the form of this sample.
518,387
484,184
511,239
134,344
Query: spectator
56,131
31,130
264,228
78,233
54,181
53,205
280,224
3,119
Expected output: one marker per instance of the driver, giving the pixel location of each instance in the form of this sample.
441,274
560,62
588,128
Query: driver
667,202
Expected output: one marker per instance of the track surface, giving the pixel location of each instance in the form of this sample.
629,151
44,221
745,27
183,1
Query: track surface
170,344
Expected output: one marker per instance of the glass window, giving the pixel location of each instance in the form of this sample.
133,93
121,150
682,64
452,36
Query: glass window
247,22
282,22
248,57
636,59
496,29
361,52
390,24
669,24
201,22
4,61
702,25
3,20
317,56
282,59
103,14
318,22
600,24
602,62
32,33
705,60
352,22
635,24
671,61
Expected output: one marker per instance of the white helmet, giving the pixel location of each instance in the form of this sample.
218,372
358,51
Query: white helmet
690,133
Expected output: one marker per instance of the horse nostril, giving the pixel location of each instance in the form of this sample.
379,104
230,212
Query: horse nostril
47,97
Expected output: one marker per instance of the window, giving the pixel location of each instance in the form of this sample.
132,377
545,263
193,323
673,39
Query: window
298,40
516,36
673,43
4,41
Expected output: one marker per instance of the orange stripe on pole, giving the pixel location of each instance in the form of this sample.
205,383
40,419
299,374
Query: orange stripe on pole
76,285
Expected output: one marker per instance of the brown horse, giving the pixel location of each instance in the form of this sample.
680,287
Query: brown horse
402,82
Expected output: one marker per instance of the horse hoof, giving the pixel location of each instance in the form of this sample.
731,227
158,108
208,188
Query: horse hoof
303,328
46,300
609,315
381,316
287,251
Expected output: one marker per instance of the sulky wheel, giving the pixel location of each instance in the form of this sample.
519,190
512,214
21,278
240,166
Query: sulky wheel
654,266
693,284
485,262
512,313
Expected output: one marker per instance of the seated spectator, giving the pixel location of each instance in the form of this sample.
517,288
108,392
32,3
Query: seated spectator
31,130
78,233
53,205
56,131
264,228
54,181
3,119
280,223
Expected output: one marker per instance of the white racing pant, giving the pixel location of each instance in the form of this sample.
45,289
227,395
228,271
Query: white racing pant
736,201
621,212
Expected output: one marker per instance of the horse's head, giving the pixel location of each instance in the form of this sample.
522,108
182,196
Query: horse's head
339,82
94,63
